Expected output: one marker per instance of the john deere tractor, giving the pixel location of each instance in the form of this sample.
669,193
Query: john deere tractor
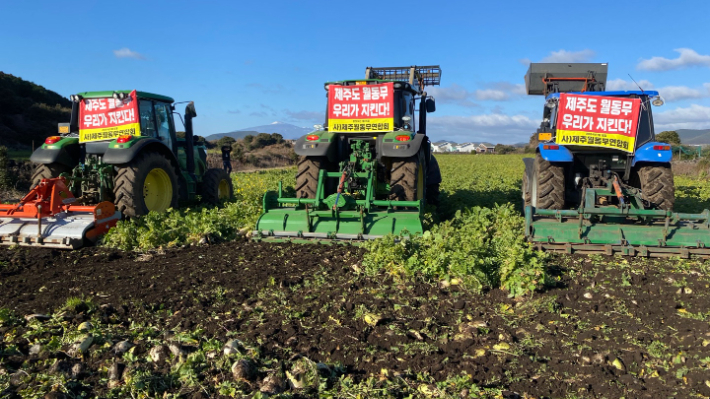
142,166
368,170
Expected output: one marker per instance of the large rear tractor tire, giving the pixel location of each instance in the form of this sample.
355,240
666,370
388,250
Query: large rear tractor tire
147,183
527,197
48,171
657,186
307,176
548,191
433,182
216,186
407,179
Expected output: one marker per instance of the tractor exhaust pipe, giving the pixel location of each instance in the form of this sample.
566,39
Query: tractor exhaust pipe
189,138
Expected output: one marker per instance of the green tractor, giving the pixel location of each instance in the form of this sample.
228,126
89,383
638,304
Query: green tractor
369,170
122,147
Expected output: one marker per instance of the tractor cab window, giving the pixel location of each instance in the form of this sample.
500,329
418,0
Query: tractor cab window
147,118
408,107
162,113
402,108
645,125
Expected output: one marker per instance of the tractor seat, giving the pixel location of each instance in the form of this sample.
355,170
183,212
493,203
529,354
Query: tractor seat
99,147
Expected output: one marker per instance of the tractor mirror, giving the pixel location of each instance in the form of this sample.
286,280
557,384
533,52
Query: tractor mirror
430,105
190,110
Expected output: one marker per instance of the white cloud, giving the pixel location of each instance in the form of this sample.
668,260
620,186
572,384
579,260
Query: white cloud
491,94
693,117
676,93
669,93
453,94
622,84
128,53
688,57
495,91
495,128
569,56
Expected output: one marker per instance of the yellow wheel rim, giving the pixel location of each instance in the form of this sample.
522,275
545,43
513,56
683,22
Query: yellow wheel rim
420,183
157,190
223,190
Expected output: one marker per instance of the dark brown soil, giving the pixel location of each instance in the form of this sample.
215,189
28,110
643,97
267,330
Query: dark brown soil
608,327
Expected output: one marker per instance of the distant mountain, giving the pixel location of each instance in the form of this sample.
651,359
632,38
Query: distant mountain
237,134
29,112
289,131
694,136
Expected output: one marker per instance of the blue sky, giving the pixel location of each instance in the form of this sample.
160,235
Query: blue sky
247,64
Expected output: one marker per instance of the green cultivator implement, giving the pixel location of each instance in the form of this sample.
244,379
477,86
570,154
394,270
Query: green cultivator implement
628,228
351,214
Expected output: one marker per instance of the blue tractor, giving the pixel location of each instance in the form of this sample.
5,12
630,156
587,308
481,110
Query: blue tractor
599,181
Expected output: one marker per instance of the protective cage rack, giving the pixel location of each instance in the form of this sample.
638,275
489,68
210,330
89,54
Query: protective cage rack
424,75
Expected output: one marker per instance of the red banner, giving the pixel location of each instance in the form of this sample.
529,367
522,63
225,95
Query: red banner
108,118
597,121
361,108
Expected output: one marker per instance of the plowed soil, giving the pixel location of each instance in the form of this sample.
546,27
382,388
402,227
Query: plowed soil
607,327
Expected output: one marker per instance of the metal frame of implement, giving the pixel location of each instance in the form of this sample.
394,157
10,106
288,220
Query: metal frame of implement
626,229
46,217
351,215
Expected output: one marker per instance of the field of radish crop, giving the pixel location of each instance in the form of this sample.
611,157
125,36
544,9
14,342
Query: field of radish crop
182,305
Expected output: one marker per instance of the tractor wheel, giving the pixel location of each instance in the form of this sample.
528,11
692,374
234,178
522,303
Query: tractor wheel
657,186
527,198
147,183
307,176
216,186
548,191
48,171
432,194
407,182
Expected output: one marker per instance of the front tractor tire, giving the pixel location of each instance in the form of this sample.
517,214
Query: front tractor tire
307,176
548,189
407,179
147,183
48,171
216,186
657,186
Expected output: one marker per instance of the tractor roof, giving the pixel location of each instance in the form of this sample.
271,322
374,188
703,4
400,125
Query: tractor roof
141,94
649,93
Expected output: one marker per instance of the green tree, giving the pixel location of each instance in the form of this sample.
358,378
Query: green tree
4,175
226,140
262,140
238,151
277,138
504,149
668,136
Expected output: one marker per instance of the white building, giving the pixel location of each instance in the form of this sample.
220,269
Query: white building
486,148
443,146
466,147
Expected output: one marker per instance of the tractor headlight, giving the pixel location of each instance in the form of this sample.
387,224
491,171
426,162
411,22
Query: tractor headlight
658,101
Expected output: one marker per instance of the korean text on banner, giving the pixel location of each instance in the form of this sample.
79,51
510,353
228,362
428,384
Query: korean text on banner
609,122
108,118
361,108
